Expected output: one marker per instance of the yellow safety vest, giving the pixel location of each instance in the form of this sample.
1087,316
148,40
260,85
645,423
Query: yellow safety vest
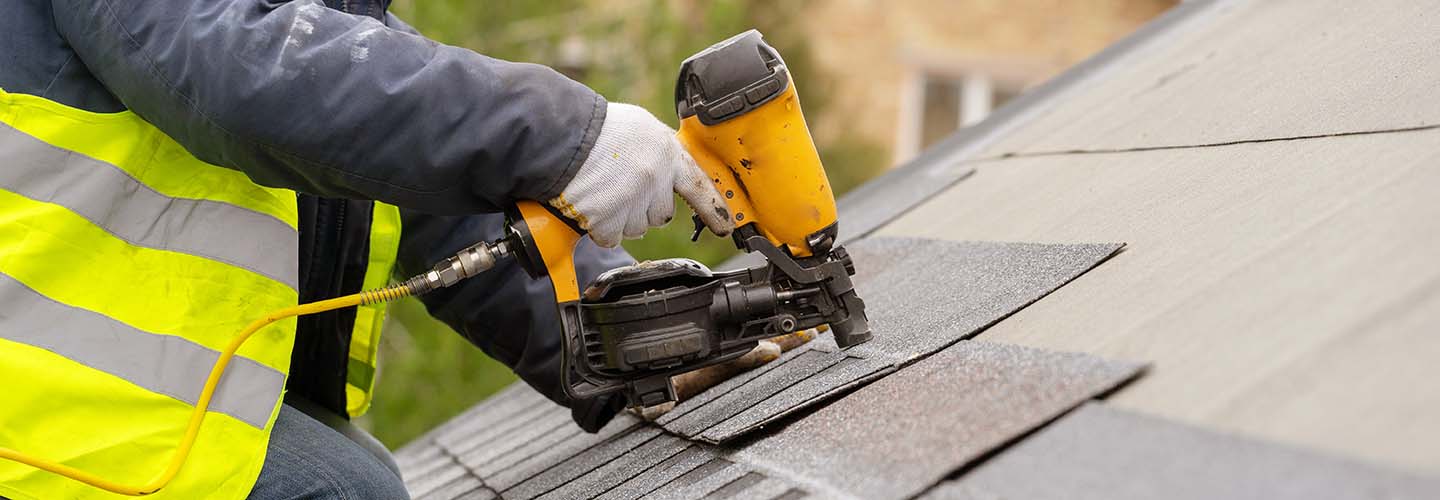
126,264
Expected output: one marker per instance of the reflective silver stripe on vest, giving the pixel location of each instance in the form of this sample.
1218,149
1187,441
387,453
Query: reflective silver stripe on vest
110,198
164,364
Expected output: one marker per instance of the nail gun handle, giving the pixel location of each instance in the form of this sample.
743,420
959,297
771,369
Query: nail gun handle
547,246
737,199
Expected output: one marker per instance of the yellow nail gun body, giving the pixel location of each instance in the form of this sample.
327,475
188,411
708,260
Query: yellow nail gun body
636,326
753,141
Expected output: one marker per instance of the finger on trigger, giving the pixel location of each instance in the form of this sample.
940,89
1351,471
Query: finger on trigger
695,187
793,340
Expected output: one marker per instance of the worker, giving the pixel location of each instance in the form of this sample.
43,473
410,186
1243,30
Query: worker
171,170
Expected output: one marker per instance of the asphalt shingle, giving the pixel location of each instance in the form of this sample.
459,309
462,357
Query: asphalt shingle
901,434
767,489
1281,220
520,445
663,473
631,464
904,432
422,484
921,295
465,487
528,466
702,481
581,463
524,435
1100,452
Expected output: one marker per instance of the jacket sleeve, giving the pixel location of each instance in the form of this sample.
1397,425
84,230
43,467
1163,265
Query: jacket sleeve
508,315
300,96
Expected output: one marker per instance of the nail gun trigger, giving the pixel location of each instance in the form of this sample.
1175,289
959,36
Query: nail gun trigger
699,226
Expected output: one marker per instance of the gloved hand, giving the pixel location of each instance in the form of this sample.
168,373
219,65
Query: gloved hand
625,186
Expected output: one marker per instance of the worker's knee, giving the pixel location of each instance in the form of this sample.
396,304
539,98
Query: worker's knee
307,460
289,475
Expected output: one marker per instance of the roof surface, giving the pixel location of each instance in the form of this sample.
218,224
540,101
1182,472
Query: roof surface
1096,452
966,399
1270,168
1262,163
964,287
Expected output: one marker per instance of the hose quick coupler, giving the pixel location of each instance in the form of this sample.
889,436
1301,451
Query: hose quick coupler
464,264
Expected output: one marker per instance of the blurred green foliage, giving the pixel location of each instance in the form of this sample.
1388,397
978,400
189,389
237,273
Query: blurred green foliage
628,51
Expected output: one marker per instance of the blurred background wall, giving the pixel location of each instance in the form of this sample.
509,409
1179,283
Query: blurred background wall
880,81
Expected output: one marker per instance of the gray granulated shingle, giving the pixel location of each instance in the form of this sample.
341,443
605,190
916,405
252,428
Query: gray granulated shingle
459,488
1100,452
526,467
579,464
518,435
416,455
767,489
523,446
754,391
700,482
502,429
897,436
740,380
837,377
732,488
414,470
611,474
938,289
955,404
422,484
514,436
479,494
661,474
921,296
564,437
485,416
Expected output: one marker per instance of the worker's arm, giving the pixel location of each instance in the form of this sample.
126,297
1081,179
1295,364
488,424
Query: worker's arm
508,315
304,97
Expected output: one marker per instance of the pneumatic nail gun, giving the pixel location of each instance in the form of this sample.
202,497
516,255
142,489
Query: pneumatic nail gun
636,326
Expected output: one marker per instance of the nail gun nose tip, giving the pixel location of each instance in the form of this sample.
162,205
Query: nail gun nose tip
852,339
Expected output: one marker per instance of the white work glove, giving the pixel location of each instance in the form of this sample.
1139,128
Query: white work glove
625,186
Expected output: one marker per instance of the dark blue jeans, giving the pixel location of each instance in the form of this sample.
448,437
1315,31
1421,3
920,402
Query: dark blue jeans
308,460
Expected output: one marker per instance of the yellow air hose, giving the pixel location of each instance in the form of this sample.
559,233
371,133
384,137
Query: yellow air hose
468,262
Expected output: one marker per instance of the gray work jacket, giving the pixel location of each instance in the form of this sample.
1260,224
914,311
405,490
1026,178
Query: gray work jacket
344,104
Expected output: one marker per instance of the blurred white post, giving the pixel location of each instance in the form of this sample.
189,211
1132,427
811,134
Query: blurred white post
910,118
976,97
